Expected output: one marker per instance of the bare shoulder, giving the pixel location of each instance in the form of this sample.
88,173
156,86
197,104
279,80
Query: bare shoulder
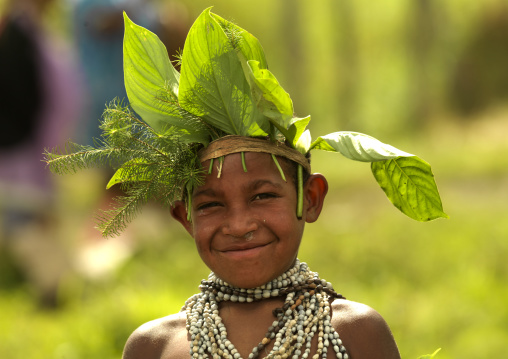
363,331
157,339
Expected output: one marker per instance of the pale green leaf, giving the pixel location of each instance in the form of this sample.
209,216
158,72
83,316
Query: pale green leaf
296,130
148,73
304,142
358,146
409,184
212,82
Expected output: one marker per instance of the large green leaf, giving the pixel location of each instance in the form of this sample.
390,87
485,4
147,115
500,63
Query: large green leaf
358,146
212,82
147,74
409,184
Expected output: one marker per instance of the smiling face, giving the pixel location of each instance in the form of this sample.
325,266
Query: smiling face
245,224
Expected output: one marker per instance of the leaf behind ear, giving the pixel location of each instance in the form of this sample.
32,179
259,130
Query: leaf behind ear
409,184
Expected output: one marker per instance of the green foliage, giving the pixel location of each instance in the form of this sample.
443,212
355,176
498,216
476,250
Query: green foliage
442,284
409,184
406,179
213,85
224,88
152,166
357,147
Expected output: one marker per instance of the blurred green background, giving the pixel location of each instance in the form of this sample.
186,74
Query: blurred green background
427,76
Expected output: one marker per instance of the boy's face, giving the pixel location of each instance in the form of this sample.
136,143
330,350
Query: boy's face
245,224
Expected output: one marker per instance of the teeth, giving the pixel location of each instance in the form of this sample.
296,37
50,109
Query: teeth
249,236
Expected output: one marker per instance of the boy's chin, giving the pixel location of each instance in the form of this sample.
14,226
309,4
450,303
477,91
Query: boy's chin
246,283
247,279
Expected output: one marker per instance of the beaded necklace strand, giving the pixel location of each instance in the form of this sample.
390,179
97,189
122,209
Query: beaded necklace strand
306,311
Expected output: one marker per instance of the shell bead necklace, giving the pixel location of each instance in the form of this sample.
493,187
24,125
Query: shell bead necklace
305,313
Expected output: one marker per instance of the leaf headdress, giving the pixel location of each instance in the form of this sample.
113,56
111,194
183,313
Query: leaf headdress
224,89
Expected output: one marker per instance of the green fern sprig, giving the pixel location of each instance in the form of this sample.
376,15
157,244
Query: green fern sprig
113,222
160,182
152,166
76,157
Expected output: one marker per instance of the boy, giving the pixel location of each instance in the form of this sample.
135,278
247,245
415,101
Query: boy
220,147
246,231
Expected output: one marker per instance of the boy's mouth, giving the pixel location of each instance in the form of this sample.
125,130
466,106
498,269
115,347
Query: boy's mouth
244,249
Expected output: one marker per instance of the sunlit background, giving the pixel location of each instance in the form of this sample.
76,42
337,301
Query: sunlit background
428,76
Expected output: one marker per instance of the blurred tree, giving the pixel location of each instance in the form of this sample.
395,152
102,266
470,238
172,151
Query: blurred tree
173,25
422,37
480,79
347,55
291,30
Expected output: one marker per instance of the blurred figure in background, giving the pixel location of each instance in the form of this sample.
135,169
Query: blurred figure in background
98,29
98,33
40,100
47,96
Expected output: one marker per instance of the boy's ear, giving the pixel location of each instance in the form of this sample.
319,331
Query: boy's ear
179,212
315,190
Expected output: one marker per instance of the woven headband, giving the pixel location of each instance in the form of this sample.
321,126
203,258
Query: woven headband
233,144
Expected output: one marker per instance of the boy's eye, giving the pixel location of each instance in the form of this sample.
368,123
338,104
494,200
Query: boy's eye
207,205
264,196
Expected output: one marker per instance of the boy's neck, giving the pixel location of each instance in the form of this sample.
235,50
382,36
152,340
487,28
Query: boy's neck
247,323
229,308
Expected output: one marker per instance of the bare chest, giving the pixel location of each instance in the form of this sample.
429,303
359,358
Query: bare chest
180,347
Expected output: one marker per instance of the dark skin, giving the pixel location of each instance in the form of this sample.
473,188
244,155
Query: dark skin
223,211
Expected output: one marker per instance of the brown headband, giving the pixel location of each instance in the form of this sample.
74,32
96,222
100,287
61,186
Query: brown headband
234,144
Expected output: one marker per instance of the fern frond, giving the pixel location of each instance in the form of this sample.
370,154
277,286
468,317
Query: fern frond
154,166
112,222
163,182
76,157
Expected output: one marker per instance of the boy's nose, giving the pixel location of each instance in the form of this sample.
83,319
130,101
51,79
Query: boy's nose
239,224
